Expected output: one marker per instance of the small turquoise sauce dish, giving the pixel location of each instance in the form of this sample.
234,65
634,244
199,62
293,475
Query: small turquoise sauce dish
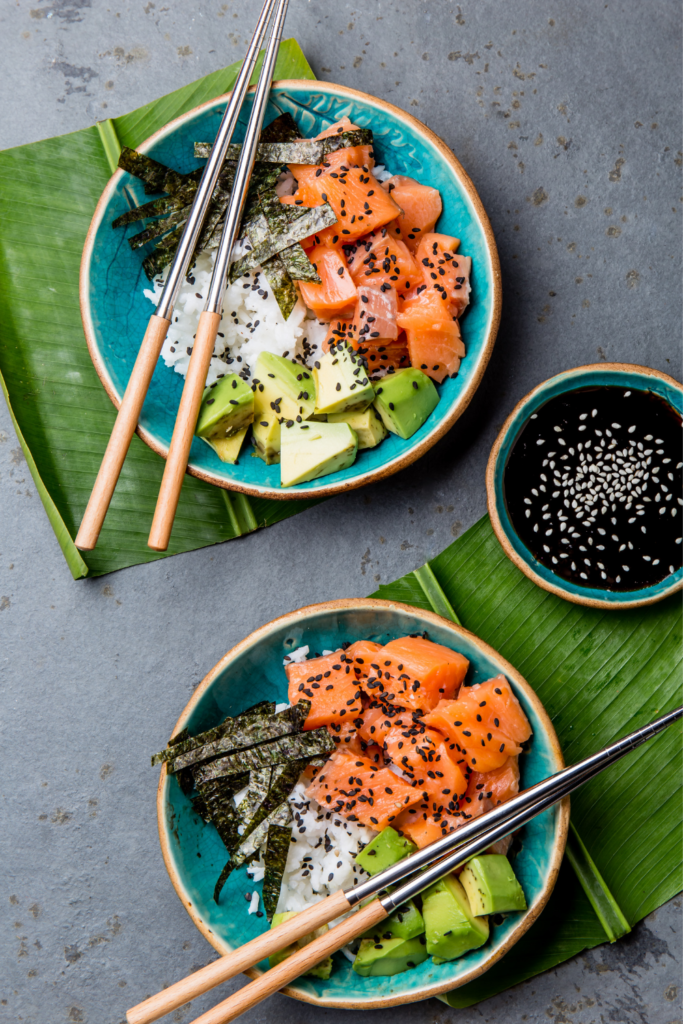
115,311
624,375
253,670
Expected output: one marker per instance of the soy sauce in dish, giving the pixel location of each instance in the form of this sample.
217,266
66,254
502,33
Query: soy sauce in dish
593,487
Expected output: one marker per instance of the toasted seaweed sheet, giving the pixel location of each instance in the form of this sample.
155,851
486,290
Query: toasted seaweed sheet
277,850
250,805
283,781
312,221
281,283
246,733
178,746
279,751
248,849
283,128
298,151
293,259
217,796
298,265
157,177
274,270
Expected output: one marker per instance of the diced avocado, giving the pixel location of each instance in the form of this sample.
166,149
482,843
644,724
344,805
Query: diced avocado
295,381
341,381
491,885
404,923
226,408
310,450
272,404
388,956
404,400
321,970
228,448
367,425
451,927
384,850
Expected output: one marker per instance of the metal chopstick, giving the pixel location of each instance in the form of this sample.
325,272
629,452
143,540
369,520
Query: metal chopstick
466,842
376,911
145,363
209,321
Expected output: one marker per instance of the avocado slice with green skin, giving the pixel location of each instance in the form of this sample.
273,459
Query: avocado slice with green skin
385,849
226,408
228,448
367,425
311,450
388,956
491,885
322,970
451,927
404,400
272,404
405,923
296,381
341,380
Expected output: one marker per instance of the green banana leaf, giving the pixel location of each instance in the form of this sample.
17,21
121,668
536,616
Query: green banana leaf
48,192
600,674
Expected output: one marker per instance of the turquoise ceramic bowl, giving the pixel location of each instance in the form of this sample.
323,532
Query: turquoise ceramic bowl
599,374
115,311
253,670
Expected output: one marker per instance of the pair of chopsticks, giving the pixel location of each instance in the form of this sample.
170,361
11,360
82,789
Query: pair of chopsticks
160,321
421,870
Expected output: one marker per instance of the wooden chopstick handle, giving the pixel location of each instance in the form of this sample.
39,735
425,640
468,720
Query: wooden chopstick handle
294,966
239,960
183,431
122,434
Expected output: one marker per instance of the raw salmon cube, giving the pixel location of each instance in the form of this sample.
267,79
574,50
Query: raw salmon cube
421,207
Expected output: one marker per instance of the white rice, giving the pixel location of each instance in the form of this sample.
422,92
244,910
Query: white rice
322,855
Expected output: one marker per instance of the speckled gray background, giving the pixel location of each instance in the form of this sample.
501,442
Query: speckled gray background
567,118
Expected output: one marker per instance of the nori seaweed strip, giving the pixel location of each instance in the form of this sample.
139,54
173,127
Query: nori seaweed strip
299,151
256,730
248,849
263,709
298,265
217,796
280,751
154,264
281,284
249,806
274,270
294,260
155,208
159,227
157,177
186,778
277,851
281,129
283,781
345,140
309,223
278,215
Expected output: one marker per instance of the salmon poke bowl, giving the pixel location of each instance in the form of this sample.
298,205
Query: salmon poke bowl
335,741
362,302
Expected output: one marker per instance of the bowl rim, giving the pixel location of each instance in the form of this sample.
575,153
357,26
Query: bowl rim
399,462
517,681
584,598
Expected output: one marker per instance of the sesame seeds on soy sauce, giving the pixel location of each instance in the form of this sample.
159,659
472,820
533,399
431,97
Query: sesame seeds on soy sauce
593,488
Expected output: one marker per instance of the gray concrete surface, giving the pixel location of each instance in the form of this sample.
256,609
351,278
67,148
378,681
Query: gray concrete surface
567,117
